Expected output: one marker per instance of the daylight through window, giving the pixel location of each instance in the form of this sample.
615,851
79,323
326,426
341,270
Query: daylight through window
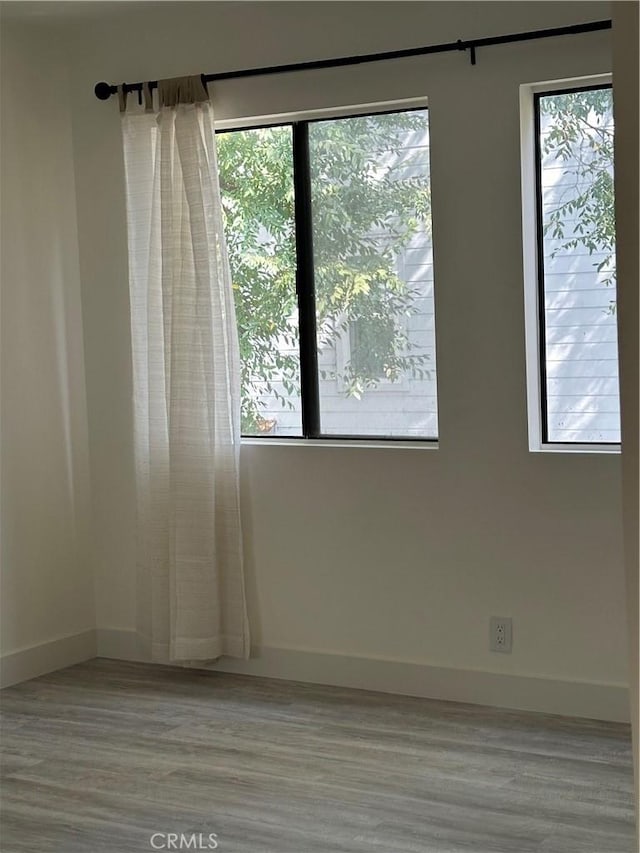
361,363
576,266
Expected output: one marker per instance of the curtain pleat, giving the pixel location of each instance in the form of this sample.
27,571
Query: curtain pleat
191,599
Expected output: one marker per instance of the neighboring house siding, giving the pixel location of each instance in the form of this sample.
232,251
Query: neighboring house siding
580,324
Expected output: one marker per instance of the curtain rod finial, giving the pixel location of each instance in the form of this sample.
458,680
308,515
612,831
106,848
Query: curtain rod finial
103,91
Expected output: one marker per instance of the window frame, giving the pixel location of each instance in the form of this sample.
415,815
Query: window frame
533,262
305,279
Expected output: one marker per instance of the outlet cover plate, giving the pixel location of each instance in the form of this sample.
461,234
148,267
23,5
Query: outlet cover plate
500,634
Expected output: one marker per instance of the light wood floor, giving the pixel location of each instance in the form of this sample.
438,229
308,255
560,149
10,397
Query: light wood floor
100,756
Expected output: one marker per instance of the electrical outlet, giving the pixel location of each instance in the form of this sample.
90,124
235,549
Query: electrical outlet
500,634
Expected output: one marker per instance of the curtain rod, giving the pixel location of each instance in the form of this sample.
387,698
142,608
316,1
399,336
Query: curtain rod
103,91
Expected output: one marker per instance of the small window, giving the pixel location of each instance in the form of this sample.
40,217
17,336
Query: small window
328,226
577,329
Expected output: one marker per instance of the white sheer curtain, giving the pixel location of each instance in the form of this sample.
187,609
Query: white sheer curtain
191,599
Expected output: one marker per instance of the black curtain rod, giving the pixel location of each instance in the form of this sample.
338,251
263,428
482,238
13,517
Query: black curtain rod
104,91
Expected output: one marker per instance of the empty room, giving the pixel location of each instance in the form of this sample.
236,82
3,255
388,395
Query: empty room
319,427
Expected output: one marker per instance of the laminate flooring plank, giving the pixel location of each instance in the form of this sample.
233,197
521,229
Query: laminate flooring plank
99,756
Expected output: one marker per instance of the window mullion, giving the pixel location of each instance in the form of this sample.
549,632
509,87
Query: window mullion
305,282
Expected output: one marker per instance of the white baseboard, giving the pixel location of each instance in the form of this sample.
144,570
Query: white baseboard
46,657
546,695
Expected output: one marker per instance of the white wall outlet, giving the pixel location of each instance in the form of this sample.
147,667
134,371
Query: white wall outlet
500,634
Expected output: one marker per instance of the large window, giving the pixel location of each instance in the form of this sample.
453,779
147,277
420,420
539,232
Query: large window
328,226
576,267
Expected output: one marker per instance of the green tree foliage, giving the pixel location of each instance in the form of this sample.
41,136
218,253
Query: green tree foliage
367,205
580,136
256,182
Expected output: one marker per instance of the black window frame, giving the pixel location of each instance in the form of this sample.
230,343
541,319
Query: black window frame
540,267
305,281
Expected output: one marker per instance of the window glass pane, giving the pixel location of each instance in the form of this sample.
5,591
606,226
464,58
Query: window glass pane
578,253
371,208
256,182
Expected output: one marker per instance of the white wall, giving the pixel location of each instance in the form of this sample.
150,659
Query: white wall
47,584
379,553
625,68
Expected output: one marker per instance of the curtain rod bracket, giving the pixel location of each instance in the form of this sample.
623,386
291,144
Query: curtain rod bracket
470,46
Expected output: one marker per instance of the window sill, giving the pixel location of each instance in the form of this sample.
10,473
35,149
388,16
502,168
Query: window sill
577,448
424,444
